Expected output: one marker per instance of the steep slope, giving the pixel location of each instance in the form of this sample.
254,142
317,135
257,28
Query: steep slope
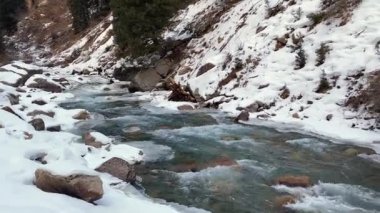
294,61
45,36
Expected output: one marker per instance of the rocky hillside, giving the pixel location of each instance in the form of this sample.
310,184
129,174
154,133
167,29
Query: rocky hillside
45,36
313,62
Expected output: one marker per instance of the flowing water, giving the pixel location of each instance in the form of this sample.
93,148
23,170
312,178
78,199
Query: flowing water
183,151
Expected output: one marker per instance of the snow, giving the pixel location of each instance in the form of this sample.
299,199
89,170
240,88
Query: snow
236,34
9,77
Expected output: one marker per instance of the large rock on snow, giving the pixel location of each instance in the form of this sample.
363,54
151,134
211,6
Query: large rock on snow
119,168
96,139
85,187
43,84
38,124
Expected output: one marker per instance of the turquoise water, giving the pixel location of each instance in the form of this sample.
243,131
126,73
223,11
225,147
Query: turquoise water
183,149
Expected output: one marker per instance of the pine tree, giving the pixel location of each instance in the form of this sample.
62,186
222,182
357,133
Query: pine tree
81,15
9,15
138,24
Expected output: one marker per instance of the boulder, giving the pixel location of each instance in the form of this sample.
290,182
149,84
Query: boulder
294,181
185,107
296,116
39,102
54,128
43,84
40,112
205,68
38,124
243,116
85,187
284,200
82,115
119,168
193,166
28,136
90,140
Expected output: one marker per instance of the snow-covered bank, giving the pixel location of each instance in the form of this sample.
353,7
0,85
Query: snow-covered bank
274,60
320,128
24,150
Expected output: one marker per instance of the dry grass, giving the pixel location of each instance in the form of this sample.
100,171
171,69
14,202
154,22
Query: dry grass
369,97
335,9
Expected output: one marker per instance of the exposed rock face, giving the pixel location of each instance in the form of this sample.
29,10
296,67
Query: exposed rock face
119,168
85,187
38,124
43,84
294,181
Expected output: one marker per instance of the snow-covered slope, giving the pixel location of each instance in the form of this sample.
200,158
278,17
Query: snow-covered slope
284,61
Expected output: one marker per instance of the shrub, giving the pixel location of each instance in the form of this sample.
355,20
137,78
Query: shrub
369,97
341,9
81,15
300,59
324,84
321,52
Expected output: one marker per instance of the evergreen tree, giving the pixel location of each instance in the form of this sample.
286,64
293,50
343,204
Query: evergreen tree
138,23
9,14
81,15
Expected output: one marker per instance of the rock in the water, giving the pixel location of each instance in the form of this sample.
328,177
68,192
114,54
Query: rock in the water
43,84
294,181
329,117
352,152
185,108
119,168
90,140
40,112
83,115
38,124
284,200
243,116
85,187
39,102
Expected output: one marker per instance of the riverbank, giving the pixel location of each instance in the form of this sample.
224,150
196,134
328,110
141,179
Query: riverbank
34,135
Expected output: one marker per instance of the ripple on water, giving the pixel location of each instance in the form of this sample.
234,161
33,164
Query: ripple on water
329,197
312,144
154,152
